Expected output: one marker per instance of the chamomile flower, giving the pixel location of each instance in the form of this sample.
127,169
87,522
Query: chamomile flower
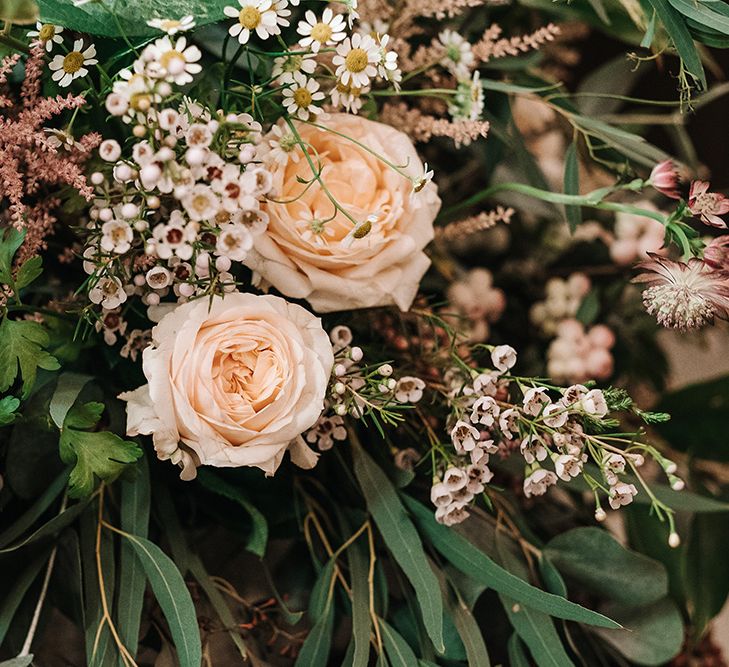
351,9
300,98
356,60
349,97
387,67
326,31
283,146
259,16
73,65
174,62
458,57
47,34
423,180
286,66
173,26
468,102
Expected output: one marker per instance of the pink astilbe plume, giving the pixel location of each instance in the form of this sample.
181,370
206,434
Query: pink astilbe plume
492,45
29,163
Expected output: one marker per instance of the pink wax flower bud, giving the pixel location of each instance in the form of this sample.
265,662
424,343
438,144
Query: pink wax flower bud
666,179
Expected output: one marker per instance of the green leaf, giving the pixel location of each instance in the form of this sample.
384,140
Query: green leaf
701,13
316,647
20,661
174,599
67,390
398,650
572,186
10,241
94,454
197,569
258,538
675,26
402,540
135,506
707,569
361,620
589,308
476,564
34,512
596,561
21,349
13,597
652,635
28,272
51,527
8,407
476,653
699,437
535,628
116,17
517,652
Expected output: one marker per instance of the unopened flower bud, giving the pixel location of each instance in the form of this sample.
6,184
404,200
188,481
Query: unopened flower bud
674,540
339,370
385,370
600,514
139,130
97,178
340,409
356,354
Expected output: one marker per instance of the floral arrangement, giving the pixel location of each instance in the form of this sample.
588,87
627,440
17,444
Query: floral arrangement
245,324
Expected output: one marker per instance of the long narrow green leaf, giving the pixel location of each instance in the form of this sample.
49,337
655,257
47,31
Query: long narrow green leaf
51,527
67,390
517,652
15,595
33,513
361,621
535,628
476,564
402,540
259,526
197,569
477,654
702,14
675,26
135,506
316,646
174,598
398,650
572,186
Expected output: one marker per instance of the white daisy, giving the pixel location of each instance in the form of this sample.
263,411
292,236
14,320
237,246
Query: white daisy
282,146
259,16
285,67
387,67
356,60
173,26
47,34
300,97
73,65
175,62
329,30
459,56
349,97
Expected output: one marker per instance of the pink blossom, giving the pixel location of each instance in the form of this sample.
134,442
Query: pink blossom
666,179
716,254
707,205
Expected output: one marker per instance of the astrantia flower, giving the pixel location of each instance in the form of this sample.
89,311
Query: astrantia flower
73,65
329,30
300,97
47,34
356,60
684,295
666,179
716,254
173,26
707,205
257,16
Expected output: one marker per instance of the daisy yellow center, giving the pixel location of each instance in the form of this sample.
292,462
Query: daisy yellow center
249,17
356,60
170,56
321,32
170,24
73,62
46,32
302,97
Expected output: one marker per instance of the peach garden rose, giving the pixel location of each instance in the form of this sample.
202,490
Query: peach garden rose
232,382
307,255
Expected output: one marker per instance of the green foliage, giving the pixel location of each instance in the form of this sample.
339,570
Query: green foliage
99,454
8,410
402,540
21,351
113,18
21,12
572,186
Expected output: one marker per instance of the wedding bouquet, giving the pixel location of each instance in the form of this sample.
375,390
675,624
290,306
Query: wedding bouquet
393,396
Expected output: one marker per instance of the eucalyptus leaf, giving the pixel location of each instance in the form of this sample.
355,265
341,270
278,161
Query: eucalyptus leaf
174,598
398,650
402,540
572,186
